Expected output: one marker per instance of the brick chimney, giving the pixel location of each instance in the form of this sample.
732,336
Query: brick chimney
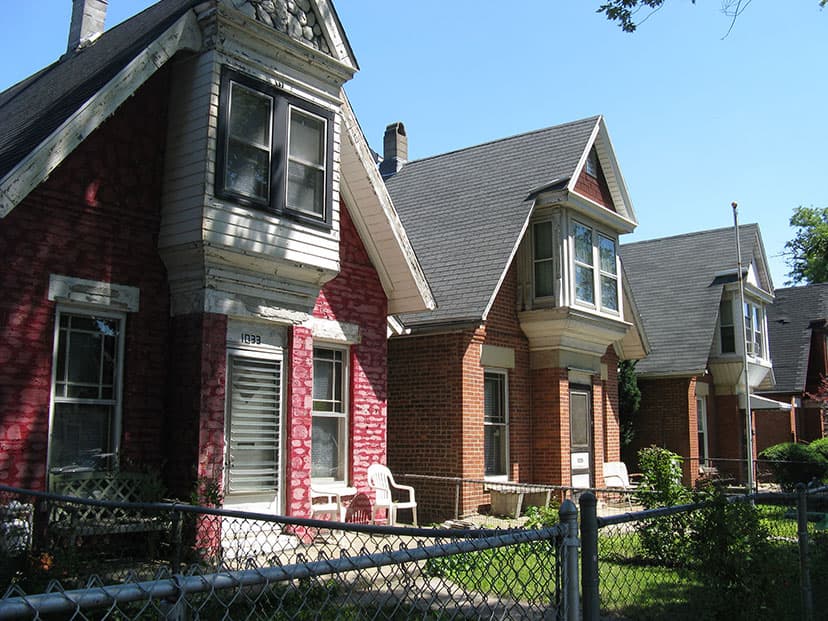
88,18
394,150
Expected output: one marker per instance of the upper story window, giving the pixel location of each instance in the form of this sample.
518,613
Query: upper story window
754,330
727,331
595,267
592,163
543,258
275,151
753,318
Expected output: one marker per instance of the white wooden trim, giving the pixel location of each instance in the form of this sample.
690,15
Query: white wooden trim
93,292
49,154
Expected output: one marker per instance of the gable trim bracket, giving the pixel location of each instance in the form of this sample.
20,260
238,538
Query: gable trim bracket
36,167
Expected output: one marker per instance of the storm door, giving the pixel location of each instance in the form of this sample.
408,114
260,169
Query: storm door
254,432
580,430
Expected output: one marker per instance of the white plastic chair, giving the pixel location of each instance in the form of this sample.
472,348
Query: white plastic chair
382,481
328,503
617,477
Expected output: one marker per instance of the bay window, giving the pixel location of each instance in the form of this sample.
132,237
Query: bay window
595,267
329,447
495,424
86,404
754,330
275,151
543,259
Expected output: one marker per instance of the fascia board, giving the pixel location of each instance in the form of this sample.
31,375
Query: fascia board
390,225
36,167
524,227
588,207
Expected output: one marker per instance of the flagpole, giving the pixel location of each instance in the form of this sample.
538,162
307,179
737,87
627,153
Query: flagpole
748,413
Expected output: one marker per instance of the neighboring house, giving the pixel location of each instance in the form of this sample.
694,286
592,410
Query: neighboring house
199,256
798,336
692,382
513,377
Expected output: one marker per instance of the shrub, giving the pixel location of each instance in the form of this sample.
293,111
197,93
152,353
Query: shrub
820,447
664,539
793,463
541,517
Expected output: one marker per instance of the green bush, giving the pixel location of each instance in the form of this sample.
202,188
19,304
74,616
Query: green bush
729,546
793,463
664,539
541,517
820,447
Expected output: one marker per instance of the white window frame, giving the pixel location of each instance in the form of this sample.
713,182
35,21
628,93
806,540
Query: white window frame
757,319
269,496
701,424
595,267
503,376
116,402
543,299
289,158
726,321
343,417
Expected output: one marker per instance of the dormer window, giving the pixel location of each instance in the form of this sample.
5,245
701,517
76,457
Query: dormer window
754,330
727,331
593,251
275,151
592,164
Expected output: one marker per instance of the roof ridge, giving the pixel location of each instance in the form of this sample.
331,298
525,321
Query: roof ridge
499,140
747,225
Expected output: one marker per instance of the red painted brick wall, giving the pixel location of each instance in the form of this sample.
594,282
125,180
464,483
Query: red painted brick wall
354,296
612,425
96,217
550,417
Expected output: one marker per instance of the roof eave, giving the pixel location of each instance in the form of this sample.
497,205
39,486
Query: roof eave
378,223
36,167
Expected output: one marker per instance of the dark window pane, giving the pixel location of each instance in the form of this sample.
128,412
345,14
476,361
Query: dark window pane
607,252
609,293
79,433
247,170
583,244
544,276
306,187
544,246
250,117
584,285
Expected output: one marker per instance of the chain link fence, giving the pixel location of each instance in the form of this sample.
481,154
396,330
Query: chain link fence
65,557
763,556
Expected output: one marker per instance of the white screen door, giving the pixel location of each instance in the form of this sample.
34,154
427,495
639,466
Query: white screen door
254,431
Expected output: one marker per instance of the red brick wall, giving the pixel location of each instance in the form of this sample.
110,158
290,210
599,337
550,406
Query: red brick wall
730,424
425,389
667,418
596,189
612,425
355,296
550,417
96,217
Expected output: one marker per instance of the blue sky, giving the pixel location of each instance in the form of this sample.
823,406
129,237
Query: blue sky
697,120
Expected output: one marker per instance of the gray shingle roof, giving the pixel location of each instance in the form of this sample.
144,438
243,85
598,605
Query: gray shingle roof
789,335
35,107
677,293
464,211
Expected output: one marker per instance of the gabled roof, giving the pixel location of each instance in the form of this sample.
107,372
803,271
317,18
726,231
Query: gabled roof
466,211
789,332
44,117
677,283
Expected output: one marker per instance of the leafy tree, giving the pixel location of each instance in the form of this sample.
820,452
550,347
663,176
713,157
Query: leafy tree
624,11
808,252
629,399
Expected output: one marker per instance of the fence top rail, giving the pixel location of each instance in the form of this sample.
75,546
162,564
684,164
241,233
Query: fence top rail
181,507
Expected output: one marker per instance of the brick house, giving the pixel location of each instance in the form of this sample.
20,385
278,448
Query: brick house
199,256
513,376
692,381
798,338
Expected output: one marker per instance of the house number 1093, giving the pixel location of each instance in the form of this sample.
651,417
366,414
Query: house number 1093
251,339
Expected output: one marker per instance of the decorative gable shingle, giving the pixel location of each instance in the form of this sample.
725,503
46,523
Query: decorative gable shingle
296,18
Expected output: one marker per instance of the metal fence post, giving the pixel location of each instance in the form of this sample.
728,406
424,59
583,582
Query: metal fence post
568,514
804,563
589,556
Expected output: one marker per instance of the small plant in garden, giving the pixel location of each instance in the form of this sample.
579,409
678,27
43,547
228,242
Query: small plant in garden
541,517
663,538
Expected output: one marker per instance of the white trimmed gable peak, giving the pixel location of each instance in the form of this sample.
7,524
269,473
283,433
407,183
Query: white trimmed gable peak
311,22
